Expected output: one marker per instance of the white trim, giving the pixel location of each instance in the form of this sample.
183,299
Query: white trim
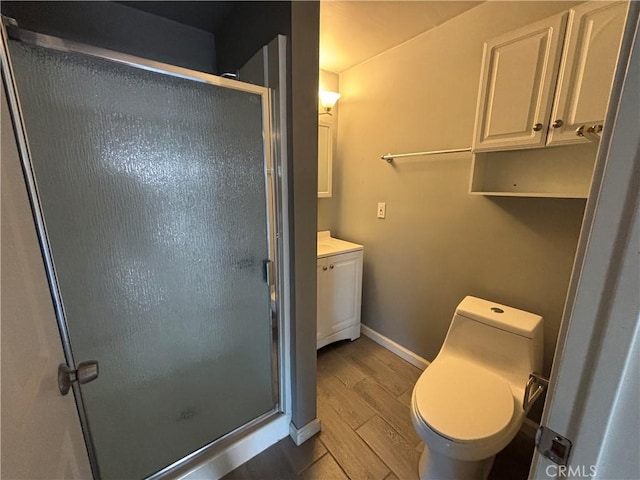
402,352
301,435
231,457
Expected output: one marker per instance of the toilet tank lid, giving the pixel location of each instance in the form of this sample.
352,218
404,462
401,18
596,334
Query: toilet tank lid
500,316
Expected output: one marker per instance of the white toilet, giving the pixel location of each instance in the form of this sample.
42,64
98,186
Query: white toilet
467,405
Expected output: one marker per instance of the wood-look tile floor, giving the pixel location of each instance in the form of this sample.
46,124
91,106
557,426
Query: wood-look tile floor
364,392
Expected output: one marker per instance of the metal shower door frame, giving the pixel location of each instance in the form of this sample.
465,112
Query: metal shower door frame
9,29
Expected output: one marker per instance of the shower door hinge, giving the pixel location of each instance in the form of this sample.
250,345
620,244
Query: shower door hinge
553,445
86,372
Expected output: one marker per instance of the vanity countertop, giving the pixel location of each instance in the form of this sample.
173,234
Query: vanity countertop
327,245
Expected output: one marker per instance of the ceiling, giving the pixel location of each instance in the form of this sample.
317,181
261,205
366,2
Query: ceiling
353,31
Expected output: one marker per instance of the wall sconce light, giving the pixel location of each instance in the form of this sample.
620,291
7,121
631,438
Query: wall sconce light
328,100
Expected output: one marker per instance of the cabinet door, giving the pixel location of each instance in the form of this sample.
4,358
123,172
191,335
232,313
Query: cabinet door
345,273
518,78
590,54
323,309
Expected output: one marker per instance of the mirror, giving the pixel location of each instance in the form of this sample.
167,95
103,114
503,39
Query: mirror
325,158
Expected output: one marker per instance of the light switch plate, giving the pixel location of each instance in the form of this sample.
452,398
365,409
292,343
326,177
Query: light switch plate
382,210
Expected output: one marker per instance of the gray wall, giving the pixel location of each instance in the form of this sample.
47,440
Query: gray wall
305,22
325,213
438,243
248,27
120,28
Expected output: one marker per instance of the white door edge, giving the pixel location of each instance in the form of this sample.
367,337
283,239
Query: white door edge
599,323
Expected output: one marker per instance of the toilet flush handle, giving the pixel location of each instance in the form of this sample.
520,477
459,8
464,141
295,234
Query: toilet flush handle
530,394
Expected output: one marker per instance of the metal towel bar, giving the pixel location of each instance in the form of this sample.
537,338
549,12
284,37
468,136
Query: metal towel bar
389,157
589,132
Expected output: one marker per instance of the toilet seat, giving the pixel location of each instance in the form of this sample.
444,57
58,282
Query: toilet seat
463,402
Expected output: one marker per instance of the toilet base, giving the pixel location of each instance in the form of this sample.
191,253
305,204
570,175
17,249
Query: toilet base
435,466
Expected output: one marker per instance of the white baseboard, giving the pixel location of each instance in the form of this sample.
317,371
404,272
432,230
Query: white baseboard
301,435
402,352
240,452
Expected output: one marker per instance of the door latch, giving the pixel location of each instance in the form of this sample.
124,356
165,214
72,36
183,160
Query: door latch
553,445
86,372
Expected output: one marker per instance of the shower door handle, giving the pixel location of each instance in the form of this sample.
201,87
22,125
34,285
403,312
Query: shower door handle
86,372
268,271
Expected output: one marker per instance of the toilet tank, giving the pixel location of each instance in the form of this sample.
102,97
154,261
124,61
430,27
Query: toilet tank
502,339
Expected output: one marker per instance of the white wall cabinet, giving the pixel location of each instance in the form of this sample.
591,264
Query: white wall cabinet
535,91
588,64
518,78
538,85
339,297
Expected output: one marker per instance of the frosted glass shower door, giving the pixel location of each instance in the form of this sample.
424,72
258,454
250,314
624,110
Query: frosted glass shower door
155,198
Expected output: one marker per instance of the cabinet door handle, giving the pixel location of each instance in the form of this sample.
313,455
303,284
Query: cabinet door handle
537,127
583,129
324,268
331,267
557,124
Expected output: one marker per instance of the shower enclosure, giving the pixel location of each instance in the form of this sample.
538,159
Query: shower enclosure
152,193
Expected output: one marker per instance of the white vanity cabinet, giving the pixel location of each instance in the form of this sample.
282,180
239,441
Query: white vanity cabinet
541,82
339,296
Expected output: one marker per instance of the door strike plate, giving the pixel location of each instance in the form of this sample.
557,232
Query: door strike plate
553,445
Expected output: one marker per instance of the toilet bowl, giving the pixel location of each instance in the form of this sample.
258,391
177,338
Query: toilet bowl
468,404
